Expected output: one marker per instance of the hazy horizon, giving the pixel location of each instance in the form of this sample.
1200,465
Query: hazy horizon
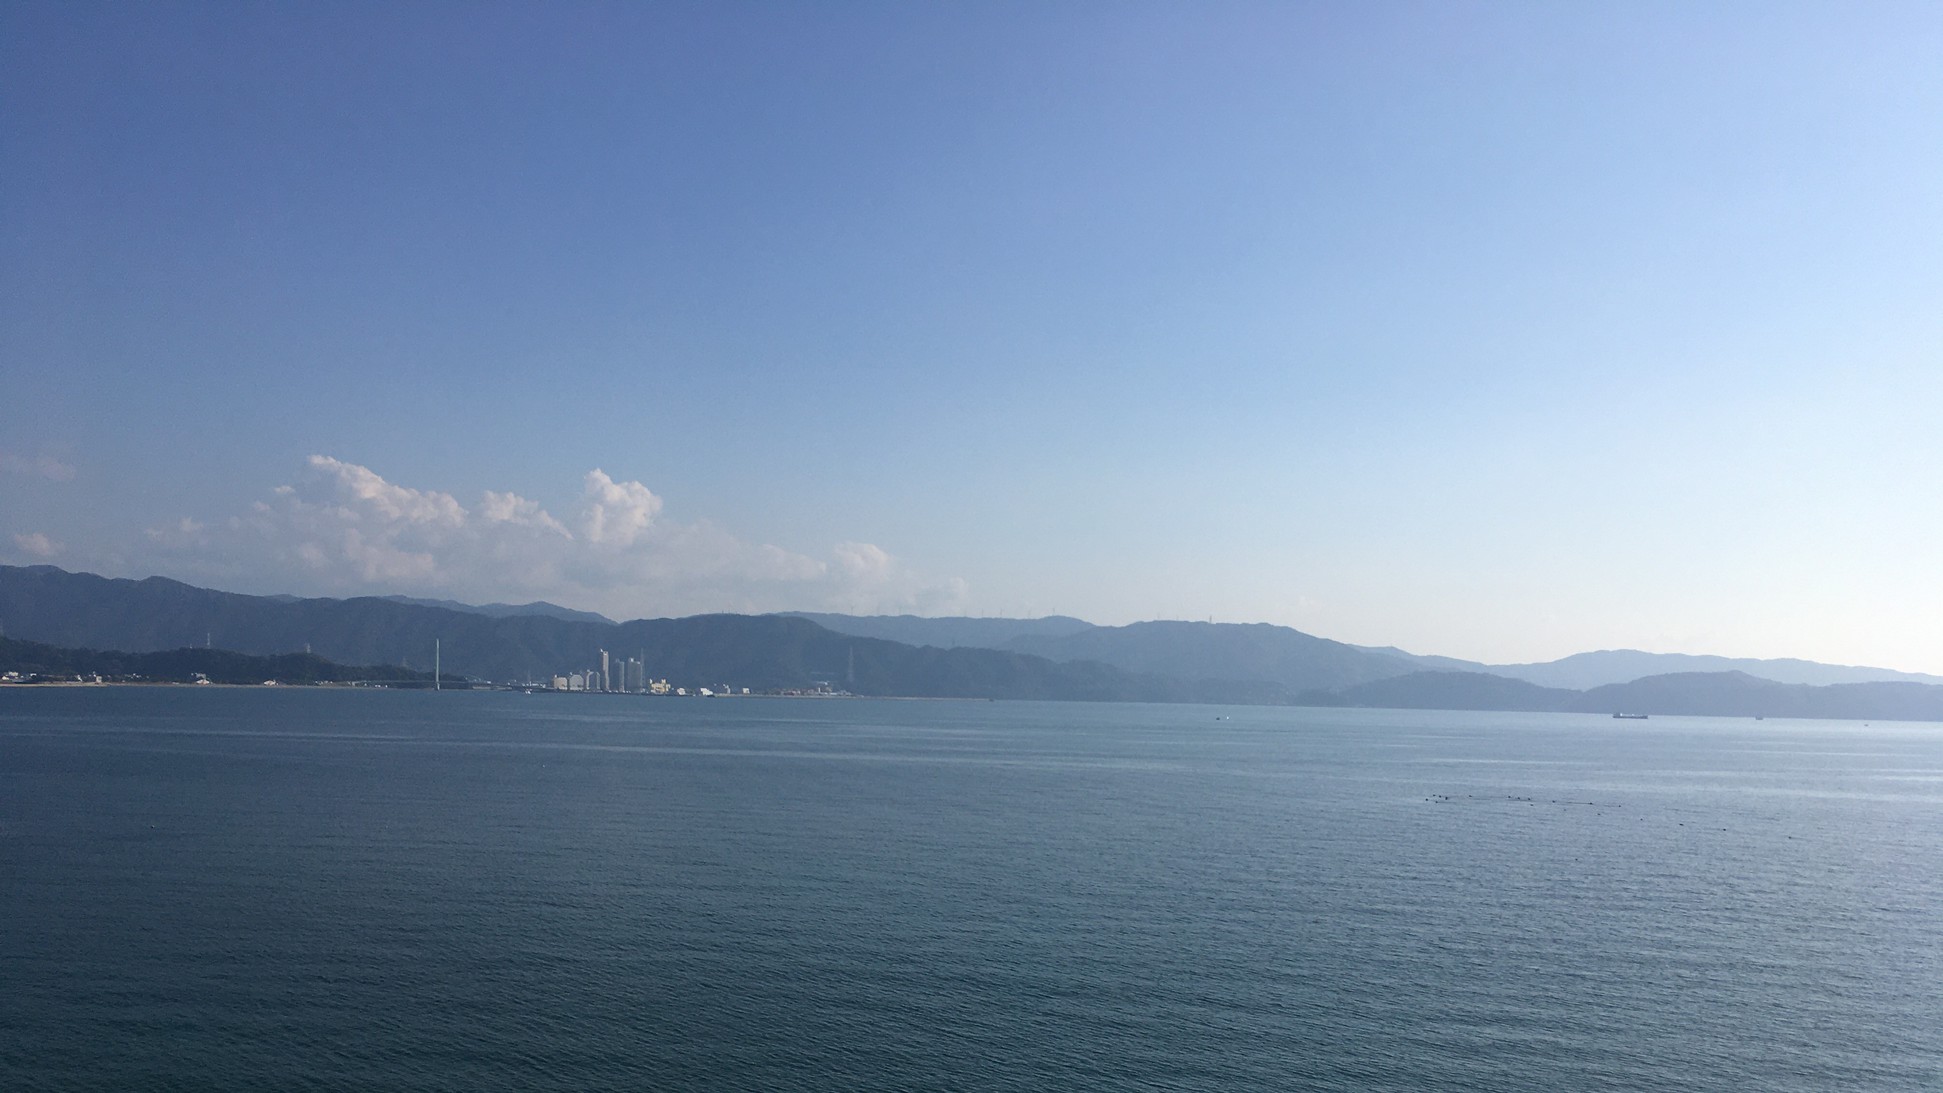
1495,332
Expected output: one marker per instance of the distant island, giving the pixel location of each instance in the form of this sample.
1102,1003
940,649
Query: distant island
80,623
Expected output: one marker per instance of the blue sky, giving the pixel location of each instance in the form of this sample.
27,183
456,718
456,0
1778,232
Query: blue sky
1501,331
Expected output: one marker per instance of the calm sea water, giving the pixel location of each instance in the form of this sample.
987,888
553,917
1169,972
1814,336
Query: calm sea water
240,889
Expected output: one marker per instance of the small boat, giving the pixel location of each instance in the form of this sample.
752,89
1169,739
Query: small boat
1630,716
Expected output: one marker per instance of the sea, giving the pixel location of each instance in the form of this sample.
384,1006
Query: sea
339,889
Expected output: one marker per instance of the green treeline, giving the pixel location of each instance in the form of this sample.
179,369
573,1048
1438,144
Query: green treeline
31,658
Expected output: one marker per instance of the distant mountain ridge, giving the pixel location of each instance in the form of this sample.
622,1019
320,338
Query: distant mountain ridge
1054,658
1597,669
1427,663
1237,652
81,610
502,610
1266,653
1456,691
946,632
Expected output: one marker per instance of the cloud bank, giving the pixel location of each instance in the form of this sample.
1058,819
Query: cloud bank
343,529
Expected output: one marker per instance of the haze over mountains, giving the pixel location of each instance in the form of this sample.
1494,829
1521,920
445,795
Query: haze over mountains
1596,669
1054,657
1263,652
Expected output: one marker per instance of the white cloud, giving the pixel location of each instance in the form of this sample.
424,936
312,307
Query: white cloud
511,508
616,512
40,466
863,559
361,489
342,529
36,544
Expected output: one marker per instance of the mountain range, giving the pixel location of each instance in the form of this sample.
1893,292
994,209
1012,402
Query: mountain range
948,632
765,652
1055,657
1265,653
1231,652
501,610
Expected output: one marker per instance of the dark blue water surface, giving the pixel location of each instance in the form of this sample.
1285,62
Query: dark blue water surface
331,889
